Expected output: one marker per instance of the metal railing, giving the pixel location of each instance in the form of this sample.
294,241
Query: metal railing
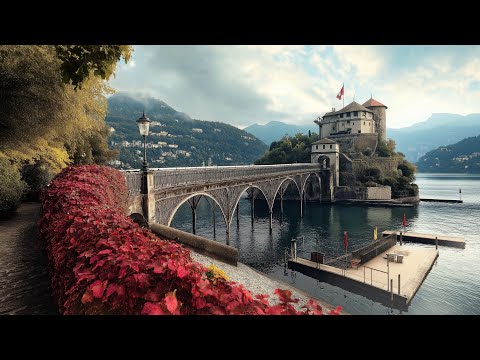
182,176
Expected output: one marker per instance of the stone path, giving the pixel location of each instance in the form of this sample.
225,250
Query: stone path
24,278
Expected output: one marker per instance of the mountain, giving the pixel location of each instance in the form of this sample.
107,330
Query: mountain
175,139
275,130
439,130
462,157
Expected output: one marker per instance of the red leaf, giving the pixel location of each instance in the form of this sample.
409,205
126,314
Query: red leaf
316,308
336,311
153,309
87,297
285,296
98,288
106,251
182,272
172,304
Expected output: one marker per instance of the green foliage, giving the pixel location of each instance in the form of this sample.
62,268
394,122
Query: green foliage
296,149
11,187
41,118
223,143
79,61
36,175
407,170
386,148
367,151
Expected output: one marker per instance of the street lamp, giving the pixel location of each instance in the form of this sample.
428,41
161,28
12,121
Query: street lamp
143,126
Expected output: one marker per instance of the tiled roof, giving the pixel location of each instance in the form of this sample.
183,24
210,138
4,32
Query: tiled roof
372,103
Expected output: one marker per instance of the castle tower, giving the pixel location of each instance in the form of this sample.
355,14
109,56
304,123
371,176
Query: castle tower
380,117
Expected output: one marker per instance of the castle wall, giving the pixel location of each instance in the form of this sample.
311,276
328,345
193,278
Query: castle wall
387,166
352,143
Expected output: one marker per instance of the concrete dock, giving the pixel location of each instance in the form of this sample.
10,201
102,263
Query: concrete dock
443,240
372,279
443,200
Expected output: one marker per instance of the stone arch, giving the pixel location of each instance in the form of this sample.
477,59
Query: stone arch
283,182
237,199
305,182
185,199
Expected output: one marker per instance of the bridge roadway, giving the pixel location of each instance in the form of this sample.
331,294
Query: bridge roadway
158,193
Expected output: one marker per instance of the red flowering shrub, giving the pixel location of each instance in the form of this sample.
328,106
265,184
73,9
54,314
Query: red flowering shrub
102,262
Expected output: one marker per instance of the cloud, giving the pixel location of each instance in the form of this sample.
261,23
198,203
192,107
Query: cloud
242,85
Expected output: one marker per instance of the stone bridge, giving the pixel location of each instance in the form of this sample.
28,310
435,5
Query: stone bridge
158,193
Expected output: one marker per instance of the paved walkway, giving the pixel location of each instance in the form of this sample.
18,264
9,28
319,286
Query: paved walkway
24,278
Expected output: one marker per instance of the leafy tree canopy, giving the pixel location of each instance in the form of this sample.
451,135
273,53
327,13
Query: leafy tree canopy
295,149
79,61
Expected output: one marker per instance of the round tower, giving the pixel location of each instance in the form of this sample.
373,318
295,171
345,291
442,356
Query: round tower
380,117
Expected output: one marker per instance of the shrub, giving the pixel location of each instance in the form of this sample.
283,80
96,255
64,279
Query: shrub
36,176
11,187
104,263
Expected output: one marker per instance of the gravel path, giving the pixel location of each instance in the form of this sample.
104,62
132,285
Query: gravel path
24,279
257,282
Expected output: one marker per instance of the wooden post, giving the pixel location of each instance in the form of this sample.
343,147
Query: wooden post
391,289
436,243
401,238
398,284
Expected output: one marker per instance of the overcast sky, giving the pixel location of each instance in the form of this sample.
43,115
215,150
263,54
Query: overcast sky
243,85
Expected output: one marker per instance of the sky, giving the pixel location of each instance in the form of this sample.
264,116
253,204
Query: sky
246,84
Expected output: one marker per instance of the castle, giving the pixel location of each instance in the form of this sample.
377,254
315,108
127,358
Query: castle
369,118
352,130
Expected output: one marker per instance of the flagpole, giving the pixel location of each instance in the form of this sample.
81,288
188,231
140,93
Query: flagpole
343,97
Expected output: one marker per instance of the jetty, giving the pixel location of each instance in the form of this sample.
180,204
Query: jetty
443,200
392,277
442,240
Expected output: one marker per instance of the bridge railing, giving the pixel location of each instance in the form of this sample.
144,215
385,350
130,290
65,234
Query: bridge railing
171,177
134,182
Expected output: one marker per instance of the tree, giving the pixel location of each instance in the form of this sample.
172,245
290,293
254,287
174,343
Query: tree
295,149
79,61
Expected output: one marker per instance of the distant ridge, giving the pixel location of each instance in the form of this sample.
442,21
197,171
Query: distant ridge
275,130
440,129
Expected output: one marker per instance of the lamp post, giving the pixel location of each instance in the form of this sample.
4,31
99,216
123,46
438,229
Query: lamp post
143,127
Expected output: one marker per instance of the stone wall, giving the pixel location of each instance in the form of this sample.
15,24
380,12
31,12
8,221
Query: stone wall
388,166
353,143
363,193
379,193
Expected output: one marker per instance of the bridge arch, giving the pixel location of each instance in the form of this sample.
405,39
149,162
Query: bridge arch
239,196
184,200
281,184
305,182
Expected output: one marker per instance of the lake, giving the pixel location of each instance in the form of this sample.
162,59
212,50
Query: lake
452,286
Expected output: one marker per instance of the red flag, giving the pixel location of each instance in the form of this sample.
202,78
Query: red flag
404,220
345,239
340,94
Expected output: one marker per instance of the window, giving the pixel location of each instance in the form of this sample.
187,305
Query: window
341,115
324,147
348,114
353,123
364,123
355,113
364,113
316,147
359,131
330,146
348,122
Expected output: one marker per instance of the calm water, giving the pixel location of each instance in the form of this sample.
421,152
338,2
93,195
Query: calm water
452,287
